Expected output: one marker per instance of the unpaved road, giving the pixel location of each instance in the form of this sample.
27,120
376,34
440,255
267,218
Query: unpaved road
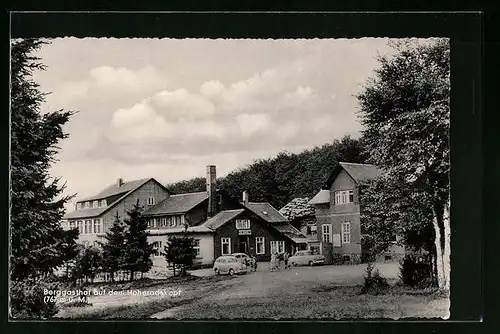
304,292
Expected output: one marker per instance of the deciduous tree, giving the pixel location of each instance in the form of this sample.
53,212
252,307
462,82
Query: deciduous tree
405,112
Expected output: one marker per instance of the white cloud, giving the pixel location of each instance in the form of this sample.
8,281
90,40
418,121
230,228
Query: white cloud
212,88
288,130
251,124
321,123
181,104
300,95
108,77
153,106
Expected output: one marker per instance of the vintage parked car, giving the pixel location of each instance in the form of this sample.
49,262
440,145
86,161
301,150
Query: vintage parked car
243,258
306,258
229,264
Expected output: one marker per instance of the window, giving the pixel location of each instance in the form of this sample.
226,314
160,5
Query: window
161,222
79,224
351,196
277,246
260,247
326,233
151,201
81,205
88,227
344,196
87,205
346,233
95,204
196,247
72,224
225,246
157,247
312,229
97,226
102,203
242,224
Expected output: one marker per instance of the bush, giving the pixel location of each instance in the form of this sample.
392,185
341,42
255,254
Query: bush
27,299
415,272
374,283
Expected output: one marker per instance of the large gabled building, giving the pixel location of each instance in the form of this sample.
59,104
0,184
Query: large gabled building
337,210
218,224
93,216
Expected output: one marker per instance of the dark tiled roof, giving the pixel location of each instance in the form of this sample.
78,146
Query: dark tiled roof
178,230
297,208
221,218
266,211
114,190
361,172
177,204
124,190
85,213
291,232
322,197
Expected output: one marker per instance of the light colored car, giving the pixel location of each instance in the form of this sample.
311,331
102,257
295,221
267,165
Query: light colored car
229,264
306,258
243,258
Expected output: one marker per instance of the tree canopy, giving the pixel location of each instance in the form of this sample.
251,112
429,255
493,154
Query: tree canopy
405,112
37,204
285,177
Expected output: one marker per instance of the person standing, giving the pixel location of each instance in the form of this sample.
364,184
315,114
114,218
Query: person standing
253,263
272,264
285,258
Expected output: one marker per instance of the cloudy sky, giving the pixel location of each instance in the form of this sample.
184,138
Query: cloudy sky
166,108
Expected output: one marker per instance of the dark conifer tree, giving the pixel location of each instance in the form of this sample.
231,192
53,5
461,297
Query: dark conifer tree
113,248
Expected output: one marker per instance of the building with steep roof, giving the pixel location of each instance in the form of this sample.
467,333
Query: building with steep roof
218,225
300,214
337,210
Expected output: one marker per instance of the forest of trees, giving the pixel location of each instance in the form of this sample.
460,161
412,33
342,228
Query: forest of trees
285,177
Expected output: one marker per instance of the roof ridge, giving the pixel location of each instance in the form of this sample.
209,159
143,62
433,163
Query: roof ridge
231,210
356,163
95,197
184,194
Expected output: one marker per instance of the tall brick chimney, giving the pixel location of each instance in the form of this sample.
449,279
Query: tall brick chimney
211,191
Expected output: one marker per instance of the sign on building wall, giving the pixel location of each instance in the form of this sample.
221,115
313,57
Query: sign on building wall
336,240
242,224
244,232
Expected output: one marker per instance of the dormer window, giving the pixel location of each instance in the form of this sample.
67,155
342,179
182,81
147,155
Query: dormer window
95,204
102,203
87,205
81,205
344,196
151,201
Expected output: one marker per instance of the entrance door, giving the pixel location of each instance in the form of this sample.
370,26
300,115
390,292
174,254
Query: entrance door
243,244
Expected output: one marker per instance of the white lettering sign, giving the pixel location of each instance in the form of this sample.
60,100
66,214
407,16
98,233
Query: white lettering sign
244,232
